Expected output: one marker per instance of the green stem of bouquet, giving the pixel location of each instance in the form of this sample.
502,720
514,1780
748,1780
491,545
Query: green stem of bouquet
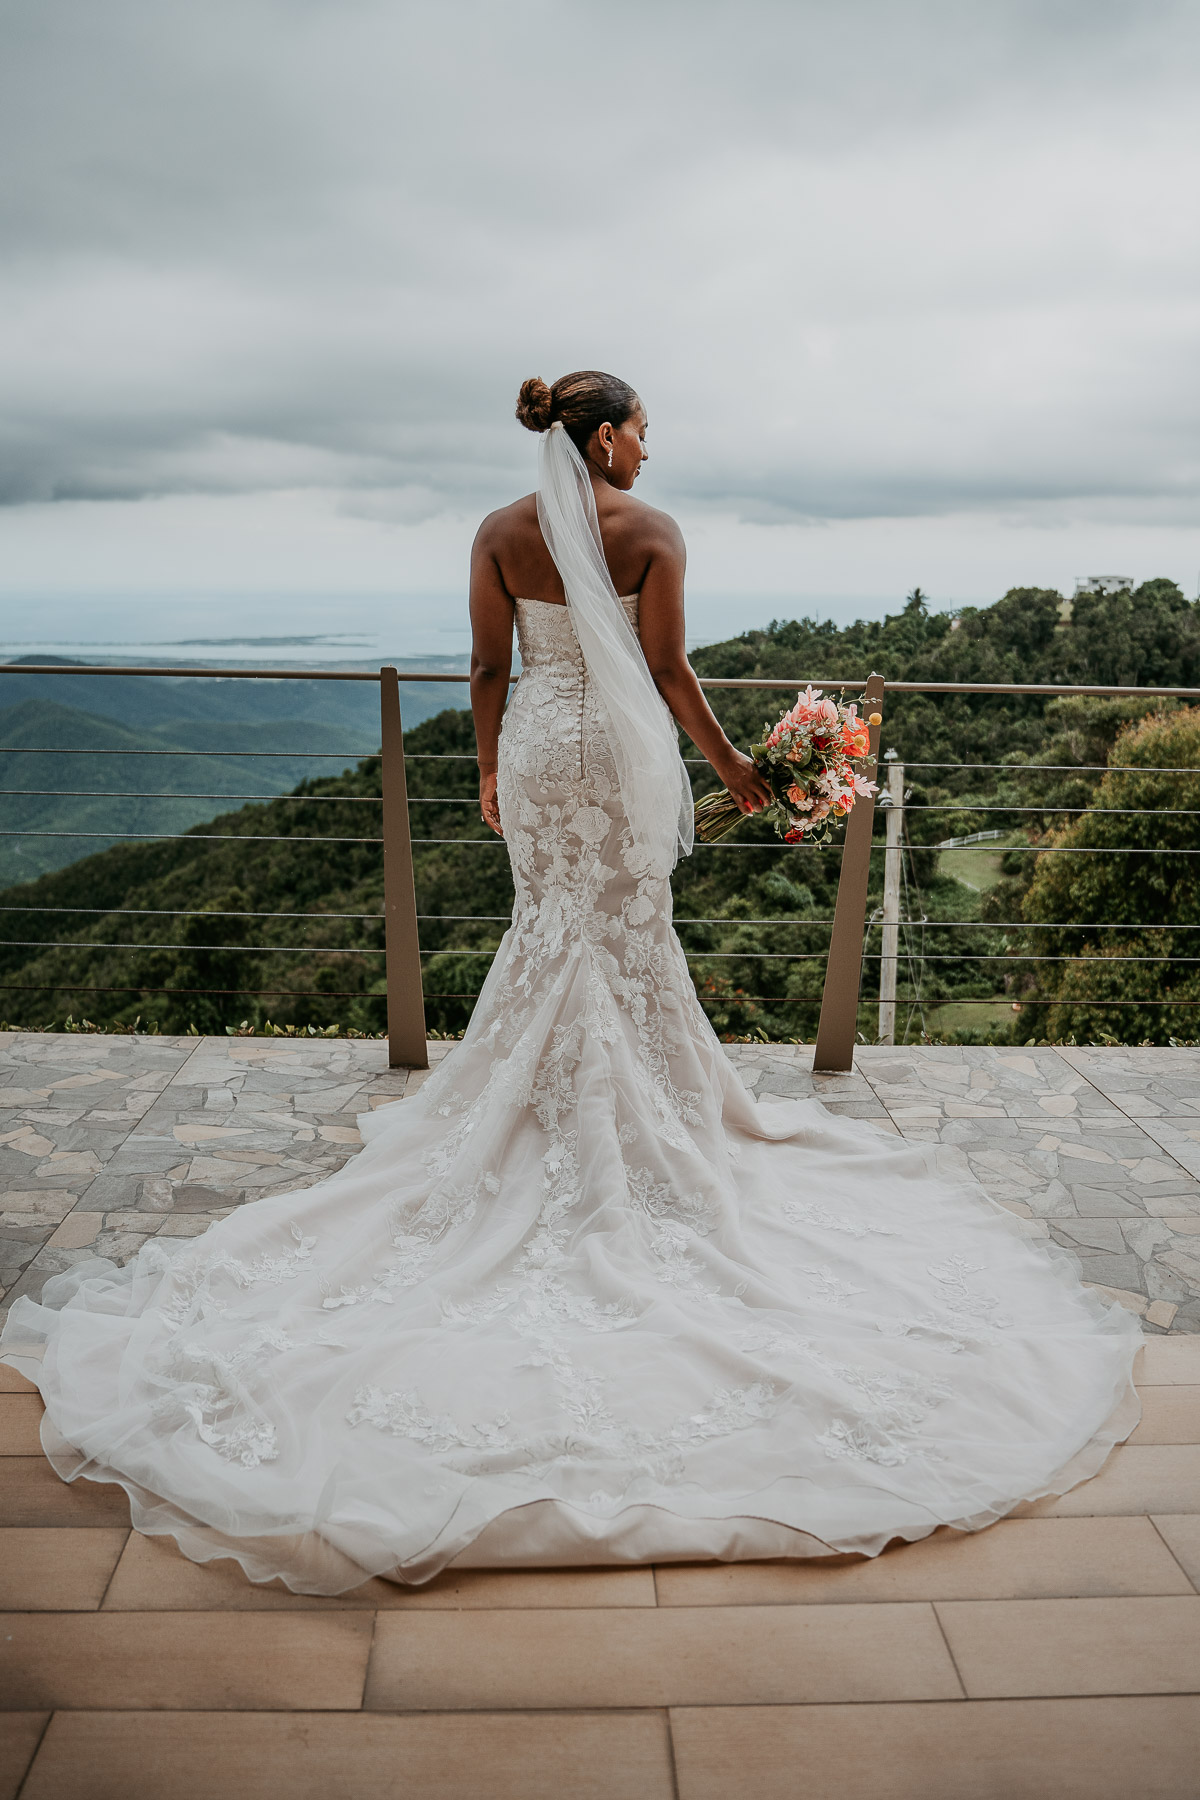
716,816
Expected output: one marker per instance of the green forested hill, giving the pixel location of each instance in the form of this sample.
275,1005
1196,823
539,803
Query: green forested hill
166,703
183,904
113,759
140,893
1150,637
94,715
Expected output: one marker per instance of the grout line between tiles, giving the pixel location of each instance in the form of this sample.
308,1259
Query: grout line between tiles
362,1698
671,1763
113,1571
1154,1527
949,1652
887,1111
20,1788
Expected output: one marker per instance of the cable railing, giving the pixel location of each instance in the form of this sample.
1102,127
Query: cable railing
847,954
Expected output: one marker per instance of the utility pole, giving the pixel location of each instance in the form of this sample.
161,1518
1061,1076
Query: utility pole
893,811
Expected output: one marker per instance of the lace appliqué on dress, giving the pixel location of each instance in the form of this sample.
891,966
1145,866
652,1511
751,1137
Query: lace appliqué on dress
963,1316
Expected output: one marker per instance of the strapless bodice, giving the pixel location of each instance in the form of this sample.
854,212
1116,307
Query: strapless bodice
552,732
546,637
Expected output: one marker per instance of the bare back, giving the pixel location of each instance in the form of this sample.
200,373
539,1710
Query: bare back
633,535
645,554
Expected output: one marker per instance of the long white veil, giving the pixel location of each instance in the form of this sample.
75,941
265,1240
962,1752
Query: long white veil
655,790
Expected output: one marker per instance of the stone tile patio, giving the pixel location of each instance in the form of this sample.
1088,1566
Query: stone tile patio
1054,1657
105,1142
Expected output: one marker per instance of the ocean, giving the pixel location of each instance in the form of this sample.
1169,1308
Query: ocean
327,630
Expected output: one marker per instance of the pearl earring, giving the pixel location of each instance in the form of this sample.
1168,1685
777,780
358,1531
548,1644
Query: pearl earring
610,456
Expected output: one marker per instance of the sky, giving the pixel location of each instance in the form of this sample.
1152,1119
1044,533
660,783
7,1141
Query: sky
910,293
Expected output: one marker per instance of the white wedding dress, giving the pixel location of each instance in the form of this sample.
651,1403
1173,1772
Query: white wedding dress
581,1300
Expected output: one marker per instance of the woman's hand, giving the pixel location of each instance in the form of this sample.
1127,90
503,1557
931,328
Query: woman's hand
740,775
488,805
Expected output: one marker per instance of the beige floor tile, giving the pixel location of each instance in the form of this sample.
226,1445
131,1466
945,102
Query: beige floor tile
1111,1749
32,1494
323,1756
12,1383
1043,1647
1170,1415
20,1423
52,1570
19,1735
1169,1359
204,1661
459,1589
154,1576
1016,1559
1137,1478
657,1657
1182,1533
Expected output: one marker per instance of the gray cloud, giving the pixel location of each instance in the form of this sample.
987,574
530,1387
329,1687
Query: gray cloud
863,260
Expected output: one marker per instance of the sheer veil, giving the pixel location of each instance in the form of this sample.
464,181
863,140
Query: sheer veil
655,790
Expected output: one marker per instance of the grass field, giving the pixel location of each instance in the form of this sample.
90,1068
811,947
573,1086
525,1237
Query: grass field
977,866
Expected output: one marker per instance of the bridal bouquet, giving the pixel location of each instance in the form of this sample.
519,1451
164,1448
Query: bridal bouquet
807,760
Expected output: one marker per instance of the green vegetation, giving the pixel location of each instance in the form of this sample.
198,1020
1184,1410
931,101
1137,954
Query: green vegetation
1141,891
93,716
167,703
1150,637
108,757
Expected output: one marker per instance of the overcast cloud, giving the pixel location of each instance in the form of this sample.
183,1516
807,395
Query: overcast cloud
865,261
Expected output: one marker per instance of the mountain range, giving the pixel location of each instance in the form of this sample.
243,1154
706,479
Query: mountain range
87,759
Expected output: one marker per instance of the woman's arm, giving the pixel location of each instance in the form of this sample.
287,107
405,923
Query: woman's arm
660,626
492,614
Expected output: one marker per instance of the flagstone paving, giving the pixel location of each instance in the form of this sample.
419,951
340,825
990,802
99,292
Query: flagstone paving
1094,1148
1055,1656
105,1142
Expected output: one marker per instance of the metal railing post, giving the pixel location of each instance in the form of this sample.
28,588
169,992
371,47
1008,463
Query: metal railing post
407,1045
893,803
839,1001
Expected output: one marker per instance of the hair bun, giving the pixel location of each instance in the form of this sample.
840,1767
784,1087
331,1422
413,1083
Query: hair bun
535,404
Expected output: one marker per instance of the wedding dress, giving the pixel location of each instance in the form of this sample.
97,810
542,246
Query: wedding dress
581,1299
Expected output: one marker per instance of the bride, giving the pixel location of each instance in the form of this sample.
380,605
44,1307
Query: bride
581,1300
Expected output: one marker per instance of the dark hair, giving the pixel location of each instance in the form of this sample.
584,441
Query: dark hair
583,401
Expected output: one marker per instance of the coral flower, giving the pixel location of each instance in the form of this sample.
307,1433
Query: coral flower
808,758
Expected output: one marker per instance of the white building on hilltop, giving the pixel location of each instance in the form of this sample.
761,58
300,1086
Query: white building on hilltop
1102,584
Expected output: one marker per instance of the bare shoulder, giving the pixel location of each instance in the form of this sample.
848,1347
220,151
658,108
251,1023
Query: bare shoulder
657,530
508,524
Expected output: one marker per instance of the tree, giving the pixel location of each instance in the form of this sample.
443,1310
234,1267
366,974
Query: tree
1149,637
1149,810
